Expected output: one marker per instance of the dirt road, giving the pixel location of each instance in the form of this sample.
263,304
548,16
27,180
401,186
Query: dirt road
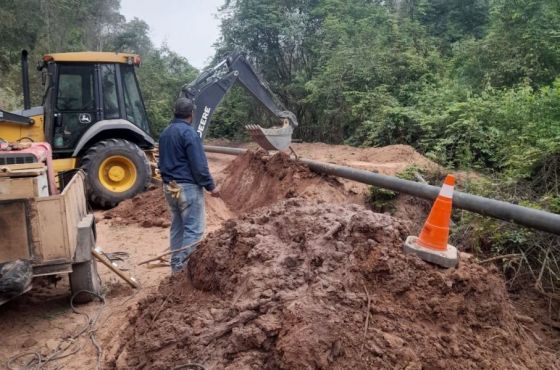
36,322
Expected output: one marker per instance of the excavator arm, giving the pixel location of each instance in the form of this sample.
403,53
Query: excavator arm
209,89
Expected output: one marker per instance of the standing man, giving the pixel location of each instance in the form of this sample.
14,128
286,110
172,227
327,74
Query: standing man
184,169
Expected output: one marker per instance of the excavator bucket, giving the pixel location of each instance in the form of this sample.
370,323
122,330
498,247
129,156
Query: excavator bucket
272,138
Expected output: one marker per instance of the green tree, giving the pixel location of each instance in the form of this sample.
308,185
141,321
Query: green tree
131,36
161,76
453,20
18,31
522,44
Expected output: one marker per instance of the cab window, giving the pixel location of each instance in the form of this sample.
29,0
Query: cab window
134,106
75,108
109,89
75,89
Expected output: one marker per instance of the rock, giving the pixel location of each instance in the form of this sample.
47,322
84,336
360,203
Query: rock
28,343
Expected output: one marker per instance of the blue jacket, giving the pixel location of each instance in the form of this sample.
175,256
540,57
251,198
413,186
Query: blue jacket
182,157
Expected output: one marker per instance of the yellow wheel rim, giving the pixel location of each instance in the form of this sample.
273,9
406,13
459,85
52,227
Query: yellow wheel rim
117,173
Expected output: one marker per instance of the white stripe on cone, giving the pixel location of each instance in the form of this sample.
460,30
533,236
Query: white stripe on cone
446,191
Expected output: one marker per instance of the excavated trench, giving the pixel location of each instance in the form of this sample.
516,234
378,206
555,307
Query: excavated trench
298,277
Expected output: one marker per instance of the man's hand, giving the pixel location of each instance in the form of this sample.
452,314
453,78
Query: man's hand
215,193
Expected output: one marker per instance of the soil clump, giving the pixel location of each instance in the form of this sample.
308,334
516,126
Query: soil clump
256,179
301,285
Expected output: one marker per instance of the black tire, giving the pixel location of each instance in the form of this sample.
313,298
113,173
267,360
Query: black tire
99,194
84,276
15,279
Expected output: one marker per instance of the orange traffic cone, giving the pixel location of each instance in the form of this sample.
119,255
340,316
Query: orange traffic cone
432,245
435,232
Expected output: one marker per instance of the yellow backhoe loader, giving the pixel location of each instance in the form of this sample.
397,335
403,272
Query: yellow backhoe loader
94,118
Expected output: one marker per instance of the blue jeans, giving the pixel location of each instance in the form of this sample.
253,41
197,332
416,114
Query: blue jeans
187,221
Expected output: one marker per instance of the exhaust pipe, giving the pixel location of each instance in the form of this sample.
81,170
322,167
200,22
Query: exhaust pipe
25,80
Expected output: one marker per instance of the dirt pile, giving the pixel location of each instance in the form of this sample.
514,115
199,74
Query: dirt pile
150,209
256,179
252,180
388,160
320,286
146,209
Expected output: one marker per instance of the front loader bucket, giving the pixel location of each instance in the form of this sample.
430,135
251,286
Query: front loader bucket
271,138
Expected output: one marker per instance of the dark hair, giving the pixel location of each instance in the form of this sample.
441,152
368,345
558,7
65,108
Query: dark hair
183,108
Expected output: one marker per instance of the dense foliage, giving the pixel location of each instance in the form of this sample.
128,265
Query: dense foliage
471,83
78,25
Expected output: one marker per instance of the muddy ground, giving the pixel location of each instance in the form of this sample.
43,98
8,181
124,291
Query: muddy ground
302,285
269,304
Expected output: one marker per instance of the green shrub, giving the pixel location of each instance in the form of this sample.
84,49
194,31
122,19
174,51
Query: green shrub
382,200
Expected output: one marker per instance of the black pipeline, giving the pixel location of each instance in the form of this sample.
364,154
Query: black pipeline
520,215
529,217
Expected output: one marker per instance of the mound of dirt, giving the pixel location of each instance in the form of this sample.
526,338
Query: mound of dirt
146,209
150,209
252,180
256,179
319,286
388,160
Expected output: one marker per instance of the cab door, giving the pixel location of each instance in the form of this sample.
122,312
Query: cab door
76,106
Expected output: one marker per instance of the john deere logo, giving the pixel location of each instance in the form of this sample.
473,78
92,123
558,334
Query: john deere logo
203,121
85,118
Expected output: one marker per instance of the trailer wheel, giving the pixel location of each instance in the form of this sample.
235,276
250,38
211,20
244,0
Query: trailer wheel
116,170
15,279
84,276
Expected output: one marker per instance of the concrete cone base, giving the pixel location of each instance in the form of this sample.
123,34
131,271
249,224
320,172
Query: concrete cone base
447,259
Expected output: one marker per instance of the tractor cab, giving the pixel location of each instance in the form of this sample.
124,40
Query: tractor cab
87,88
